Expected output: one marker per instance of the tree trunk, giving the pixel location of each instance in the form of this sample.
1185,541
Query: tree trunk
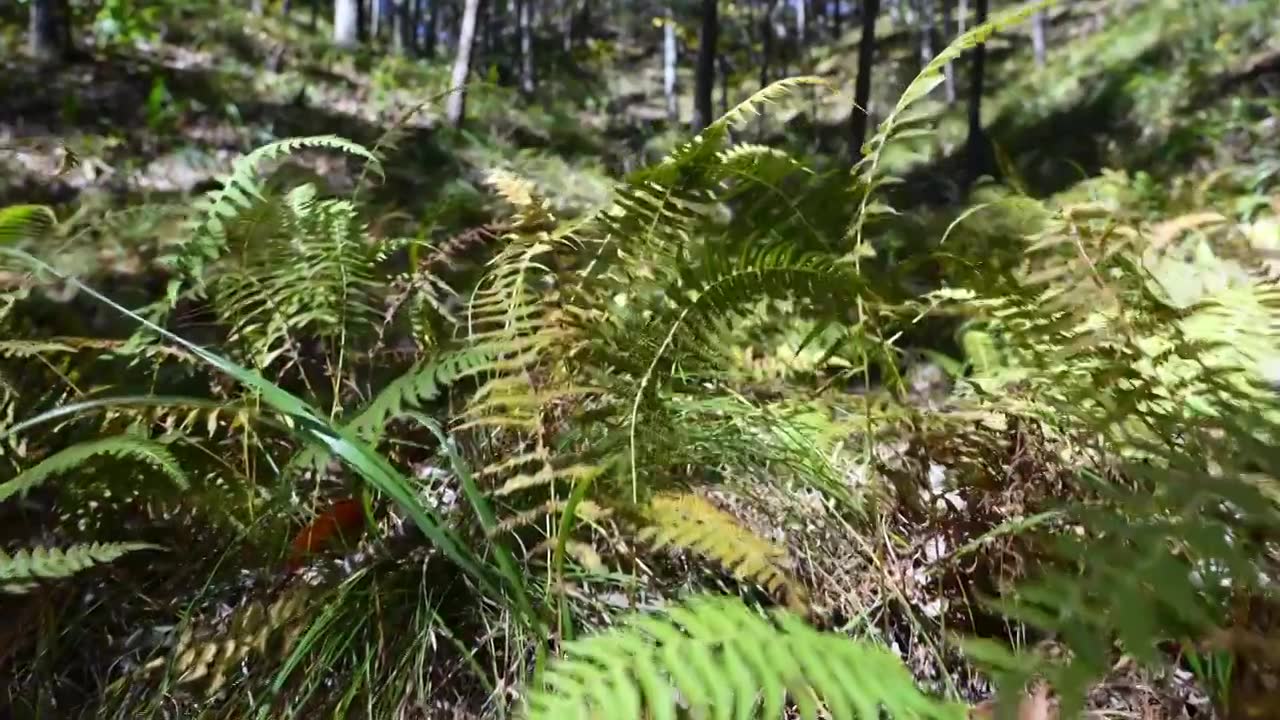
963,16
977,143
705,73
1038,37
402,26
485,21
670,54
527,78
948,34
862,87
257,7
766,42
837,18
724,84
346,23
456,107
926,33
802,25
433,29
49,29
375,17
286,8
566,26
362,20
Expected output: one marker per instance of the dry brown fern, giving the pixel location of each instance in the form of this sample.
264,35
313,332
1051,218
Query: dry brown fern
211,654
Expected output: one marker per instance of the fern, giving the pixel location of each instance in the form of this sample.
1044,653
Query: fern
19,572
691,521
719,658
901,124
253,630
78,455
23,222
239,192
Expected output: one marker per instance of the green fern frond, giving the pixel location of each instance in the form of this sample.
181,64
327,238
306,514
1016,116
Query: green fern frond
417,386
20,571
692,522
420,384
719,658
771,93
70,458
240,191
900,123
22,222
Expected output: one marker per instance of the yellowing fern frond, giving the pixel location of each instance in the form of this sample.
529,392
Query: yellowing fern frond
532,210
719,658
692,522
212,654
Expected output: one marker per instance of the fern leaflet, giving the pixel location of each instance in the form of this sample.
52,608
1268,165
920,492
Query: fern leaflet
18,572
70,458
722,659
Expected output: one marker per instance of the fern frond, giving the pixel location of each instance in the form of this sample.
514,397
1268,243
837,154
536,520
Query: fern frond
771,93
720,658
20,571
420,384
239,192
532,210
22,222
900,123
692,522
70,458
255,628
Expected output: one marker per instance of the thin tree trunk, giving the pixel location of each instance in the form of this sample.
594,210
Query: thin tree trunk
286,8
724,84
433,29
402,26
926,33
362,20
257,8
375,17
837,18
670,54
527,79
963,13
572,24
49,31
948,35
802,25
705,73
346,23
977,143
862,87
413,32
1038,37
456,107
766,42
486,21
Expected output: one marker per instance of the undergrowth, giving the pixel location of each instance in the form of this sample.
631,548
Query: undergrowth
498,445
